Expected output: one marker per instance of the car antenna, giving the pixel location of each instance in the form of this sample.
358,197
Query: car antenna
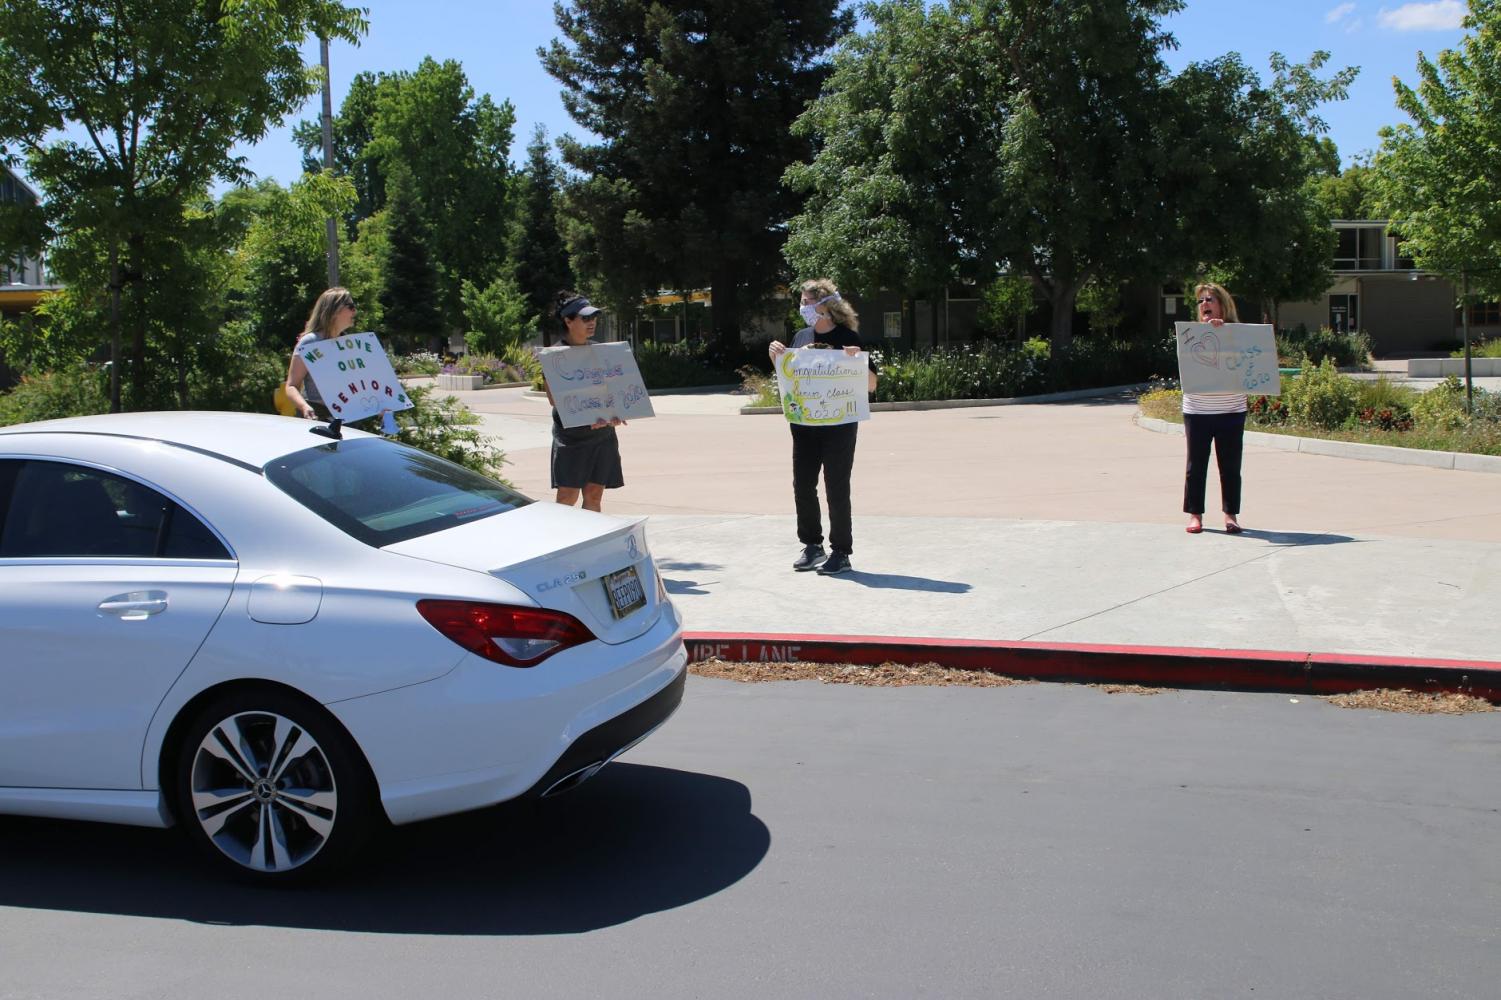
333,430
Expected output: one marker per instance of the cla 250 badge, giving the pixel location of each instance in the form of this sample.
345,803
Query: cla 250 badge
566,580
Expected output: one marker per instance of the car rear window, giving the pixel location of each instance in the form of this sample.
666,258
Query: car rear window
382,493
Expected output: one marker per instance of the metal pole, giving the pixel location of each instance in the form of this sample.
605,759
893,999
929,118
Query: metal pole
1464,312
328,163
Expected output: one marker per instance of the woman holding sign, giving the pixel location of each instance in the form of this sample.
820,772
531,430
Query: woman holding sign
584,459
1217,418
332,314
831,323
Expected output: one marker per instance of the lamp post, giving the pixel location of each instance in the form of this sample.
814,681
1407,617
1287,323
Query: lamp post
328,163
1464,315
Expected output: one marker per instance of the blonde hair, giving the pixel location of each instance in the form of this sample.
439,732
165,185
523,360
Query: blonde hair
1226,300
841,311
321,319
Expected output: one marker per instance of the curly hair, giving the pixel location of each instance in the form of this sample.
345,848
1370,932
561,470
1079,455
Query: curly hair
841,311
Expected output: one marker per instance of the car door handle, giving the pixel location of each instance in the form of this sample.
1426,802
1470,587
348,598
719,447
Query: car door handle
134,606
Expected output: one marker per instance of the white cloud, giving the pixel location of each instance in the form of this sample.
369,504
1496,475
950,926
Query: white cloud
1354,25
1339,13
1438,15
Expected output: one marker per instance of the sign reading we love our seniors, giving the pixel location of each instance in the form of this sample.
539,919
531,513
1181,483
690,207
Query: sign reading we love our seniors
1236,357
354,376
594,381
821,388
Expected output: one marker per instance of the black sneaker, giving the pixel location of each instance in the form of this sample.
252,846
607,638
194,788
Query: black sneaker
811,557
836,563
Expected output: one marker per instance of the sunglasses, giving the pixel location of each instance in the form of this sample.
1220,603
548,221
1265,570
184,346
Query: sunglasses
1207,298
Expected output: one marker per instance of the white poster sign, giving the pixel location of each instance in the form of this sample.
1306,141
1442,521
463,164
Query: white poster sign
821,388
354,376
1235,357
594,381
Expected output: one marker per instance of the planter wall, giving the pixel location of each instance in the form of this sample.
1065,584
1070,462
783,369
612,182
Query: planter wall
460,381
1440,367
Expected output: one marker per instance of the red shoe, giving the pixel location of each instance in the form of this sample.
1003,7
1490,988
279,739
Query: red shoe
1194,527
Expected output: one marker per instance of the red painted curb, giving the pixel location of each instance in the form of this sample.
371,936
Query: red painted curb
1162,666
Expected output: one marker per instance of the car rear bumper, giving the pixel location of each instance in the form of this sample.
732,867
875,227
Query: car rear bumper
485,733
602,744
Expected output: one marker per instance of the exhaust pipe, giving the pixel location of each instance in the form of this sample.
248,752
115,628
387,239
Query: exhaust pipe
571,781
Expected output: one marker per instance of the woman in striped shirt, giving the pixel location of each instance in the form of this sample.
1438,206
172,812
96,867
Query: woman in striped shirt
1217,418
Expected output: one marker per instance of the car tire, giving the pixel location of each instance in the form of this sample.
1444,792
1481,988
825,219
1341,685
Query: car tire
270,787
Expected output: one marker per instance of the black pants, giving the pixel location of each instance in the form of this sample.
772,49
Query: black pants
1226,431
833,450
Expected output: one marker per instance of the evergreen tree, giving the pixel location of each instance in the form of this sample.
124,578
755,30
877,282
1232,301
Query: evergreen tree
693,101
409,289
537,249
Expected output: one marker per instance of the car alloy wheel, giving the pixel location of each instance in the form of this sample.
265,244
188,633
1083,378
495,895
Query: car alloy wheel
270,786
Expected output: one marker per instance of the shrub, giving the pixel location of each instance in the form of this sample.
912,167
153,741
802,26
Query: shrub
1346,350
1480,349
1266,411
525,360
1443,406
68,392
445,427
487,366
417,363
498,315
1321,396
1163,403
759,386
248,387
682,365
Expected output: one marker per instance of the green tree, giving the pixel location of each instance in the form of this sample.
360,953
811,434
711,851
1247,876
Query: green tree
281,255
1003,303
455,148
1023,136
1267,230
1347,194
537,249
152,95
1438,178
499,315
692,102
409,282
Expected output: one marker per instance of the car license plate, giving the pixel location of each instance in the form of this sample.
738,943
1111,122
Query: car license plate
625,590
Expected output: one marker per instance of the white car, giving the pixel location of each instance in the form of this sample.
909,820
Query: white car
279,640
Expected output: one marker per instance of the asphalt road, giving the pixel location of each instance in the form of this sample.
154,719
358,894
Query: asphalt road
802,840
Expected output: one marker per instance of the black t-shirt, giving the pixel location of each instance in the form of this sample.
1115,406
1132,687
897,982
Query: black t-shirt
840,336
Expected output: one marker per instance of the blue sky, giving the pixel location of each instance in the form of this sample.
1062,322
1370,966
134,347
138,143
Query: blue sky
496,42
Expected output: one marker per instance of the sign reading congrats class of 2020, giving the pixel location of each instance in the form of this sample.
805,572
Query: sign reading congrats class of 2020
1236,357
821,388
595,381
354,376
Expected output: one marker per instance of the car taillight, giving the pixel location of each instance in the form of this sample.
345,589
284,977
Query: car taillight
516,637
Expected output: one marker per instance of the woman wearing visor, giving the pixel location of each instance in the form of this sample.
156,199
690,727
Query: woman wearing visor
831,323
585,460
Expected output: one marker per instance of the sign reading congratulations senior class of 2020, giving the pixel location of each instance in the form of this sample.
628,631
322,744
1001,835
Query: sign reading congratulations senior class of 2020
594,381
1235,357
354,376
822,388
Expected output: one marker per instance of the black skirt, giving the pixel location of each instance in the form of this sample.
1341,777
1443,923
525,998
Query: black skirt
584,455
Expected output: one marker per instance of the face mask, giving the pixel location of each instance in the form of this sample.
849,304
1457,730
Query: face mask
809,313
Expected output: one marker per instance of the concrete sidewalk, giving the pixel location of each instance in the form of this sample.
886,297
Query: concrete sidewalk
1051,523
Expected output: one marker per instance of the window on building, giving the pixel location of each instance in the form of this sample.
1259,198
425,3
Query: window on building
1485,314
1358,248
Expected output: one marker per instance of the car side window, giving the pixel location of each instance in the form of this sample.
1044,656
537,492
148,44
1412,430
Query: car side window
57,509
